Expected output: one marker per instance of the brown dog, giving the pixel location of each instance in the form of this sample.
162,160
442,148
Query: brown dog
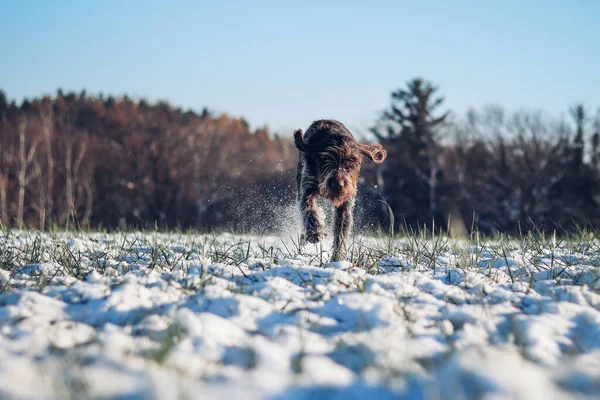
329,165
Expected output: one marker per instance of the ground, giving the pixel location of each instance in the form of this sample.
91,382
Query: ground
156,315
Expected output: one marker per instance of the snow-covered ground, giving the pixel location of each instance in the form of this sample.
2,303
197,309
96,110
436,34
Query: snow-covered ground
147,315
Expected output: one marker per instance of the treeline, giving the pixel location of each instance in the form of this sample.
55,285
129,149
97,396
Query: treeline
85,161
75,160
490,171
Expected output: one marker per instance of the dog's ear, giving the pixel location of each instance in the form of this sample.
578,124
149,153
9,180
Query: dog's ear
298,140
374,151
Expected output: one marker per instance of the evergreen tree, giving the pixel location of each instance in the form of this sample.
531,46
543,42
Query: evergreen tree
579,116
3,105
410,130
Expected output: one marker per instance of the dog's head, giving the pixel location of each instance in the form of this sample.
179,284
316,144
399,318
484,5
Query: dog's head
338,158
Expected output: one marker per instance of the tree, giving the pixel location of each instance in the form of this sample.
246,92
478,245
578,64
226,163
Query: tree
579,116
596,143
46,206
411,130
525,172
6,159
25,171
3,105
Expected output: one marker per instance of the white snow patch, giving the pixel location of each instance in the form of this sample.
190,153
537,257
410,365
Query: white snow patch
242,315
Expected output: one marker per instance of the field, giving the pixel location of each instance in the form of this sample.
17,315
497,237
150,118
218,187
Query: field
174,315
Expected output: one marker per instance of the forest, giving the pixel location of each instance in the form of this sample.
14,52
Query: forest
75,160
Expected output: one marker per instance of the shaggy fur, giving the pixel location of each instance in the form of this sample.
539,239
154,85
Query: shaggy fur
329,165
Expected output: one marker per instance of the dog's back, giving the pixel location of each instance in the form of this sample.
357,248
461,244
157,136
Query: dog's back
325,132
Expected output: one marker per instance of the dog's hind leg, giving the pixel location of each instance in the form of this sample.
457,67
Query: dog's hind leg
308,191
342,229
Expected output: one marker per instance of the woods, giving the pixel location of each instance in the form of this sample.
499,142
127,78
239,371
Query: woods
77,160
491,171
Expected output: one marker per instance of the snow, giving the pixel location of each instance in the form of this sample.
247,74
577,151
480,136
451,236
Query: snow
148,315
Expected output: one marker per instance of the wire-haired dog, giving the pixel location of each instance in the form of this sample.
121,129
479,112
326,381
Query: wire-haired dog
329,165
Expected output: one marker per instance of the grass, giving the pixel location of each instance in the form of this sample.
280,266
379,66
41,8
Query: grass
196,262
527,259
521,261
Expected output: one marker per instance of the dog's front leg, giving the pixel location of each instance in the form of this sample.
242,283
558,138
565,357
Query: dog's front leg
312,215
343,220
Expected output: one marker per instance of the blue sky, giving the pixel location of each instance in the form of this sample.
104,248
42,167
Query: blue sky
285,63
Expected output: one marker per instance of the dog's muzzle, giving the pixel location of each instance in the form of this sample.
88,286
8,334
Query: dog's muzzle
337,191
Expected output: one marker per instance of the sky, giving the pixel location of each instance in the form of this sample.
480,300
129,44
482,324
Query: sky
286,63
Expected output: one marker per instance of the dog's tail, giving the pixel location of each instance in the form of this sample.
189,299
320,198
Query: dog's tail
298,140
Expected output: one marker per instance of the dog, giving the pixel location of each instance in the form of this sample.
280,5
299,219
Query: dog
329,165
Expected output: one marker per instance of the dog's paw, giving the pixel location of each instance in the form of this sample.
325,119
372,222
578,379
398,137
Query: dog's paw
312,237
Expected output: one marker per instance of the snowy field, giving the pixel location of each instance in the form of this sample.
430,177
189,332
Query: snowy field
165,316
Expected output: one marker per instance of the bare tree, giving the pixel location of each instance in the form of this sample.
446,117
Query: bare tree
6,156
25,171
75,183
46,190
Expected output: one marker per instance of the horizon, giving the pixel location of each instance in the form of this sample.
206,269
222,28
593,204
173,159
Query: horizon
284,66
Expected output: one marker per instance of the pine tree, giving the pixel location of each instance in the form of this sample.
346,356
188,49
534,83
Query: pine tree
579,115
410,129
3,105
